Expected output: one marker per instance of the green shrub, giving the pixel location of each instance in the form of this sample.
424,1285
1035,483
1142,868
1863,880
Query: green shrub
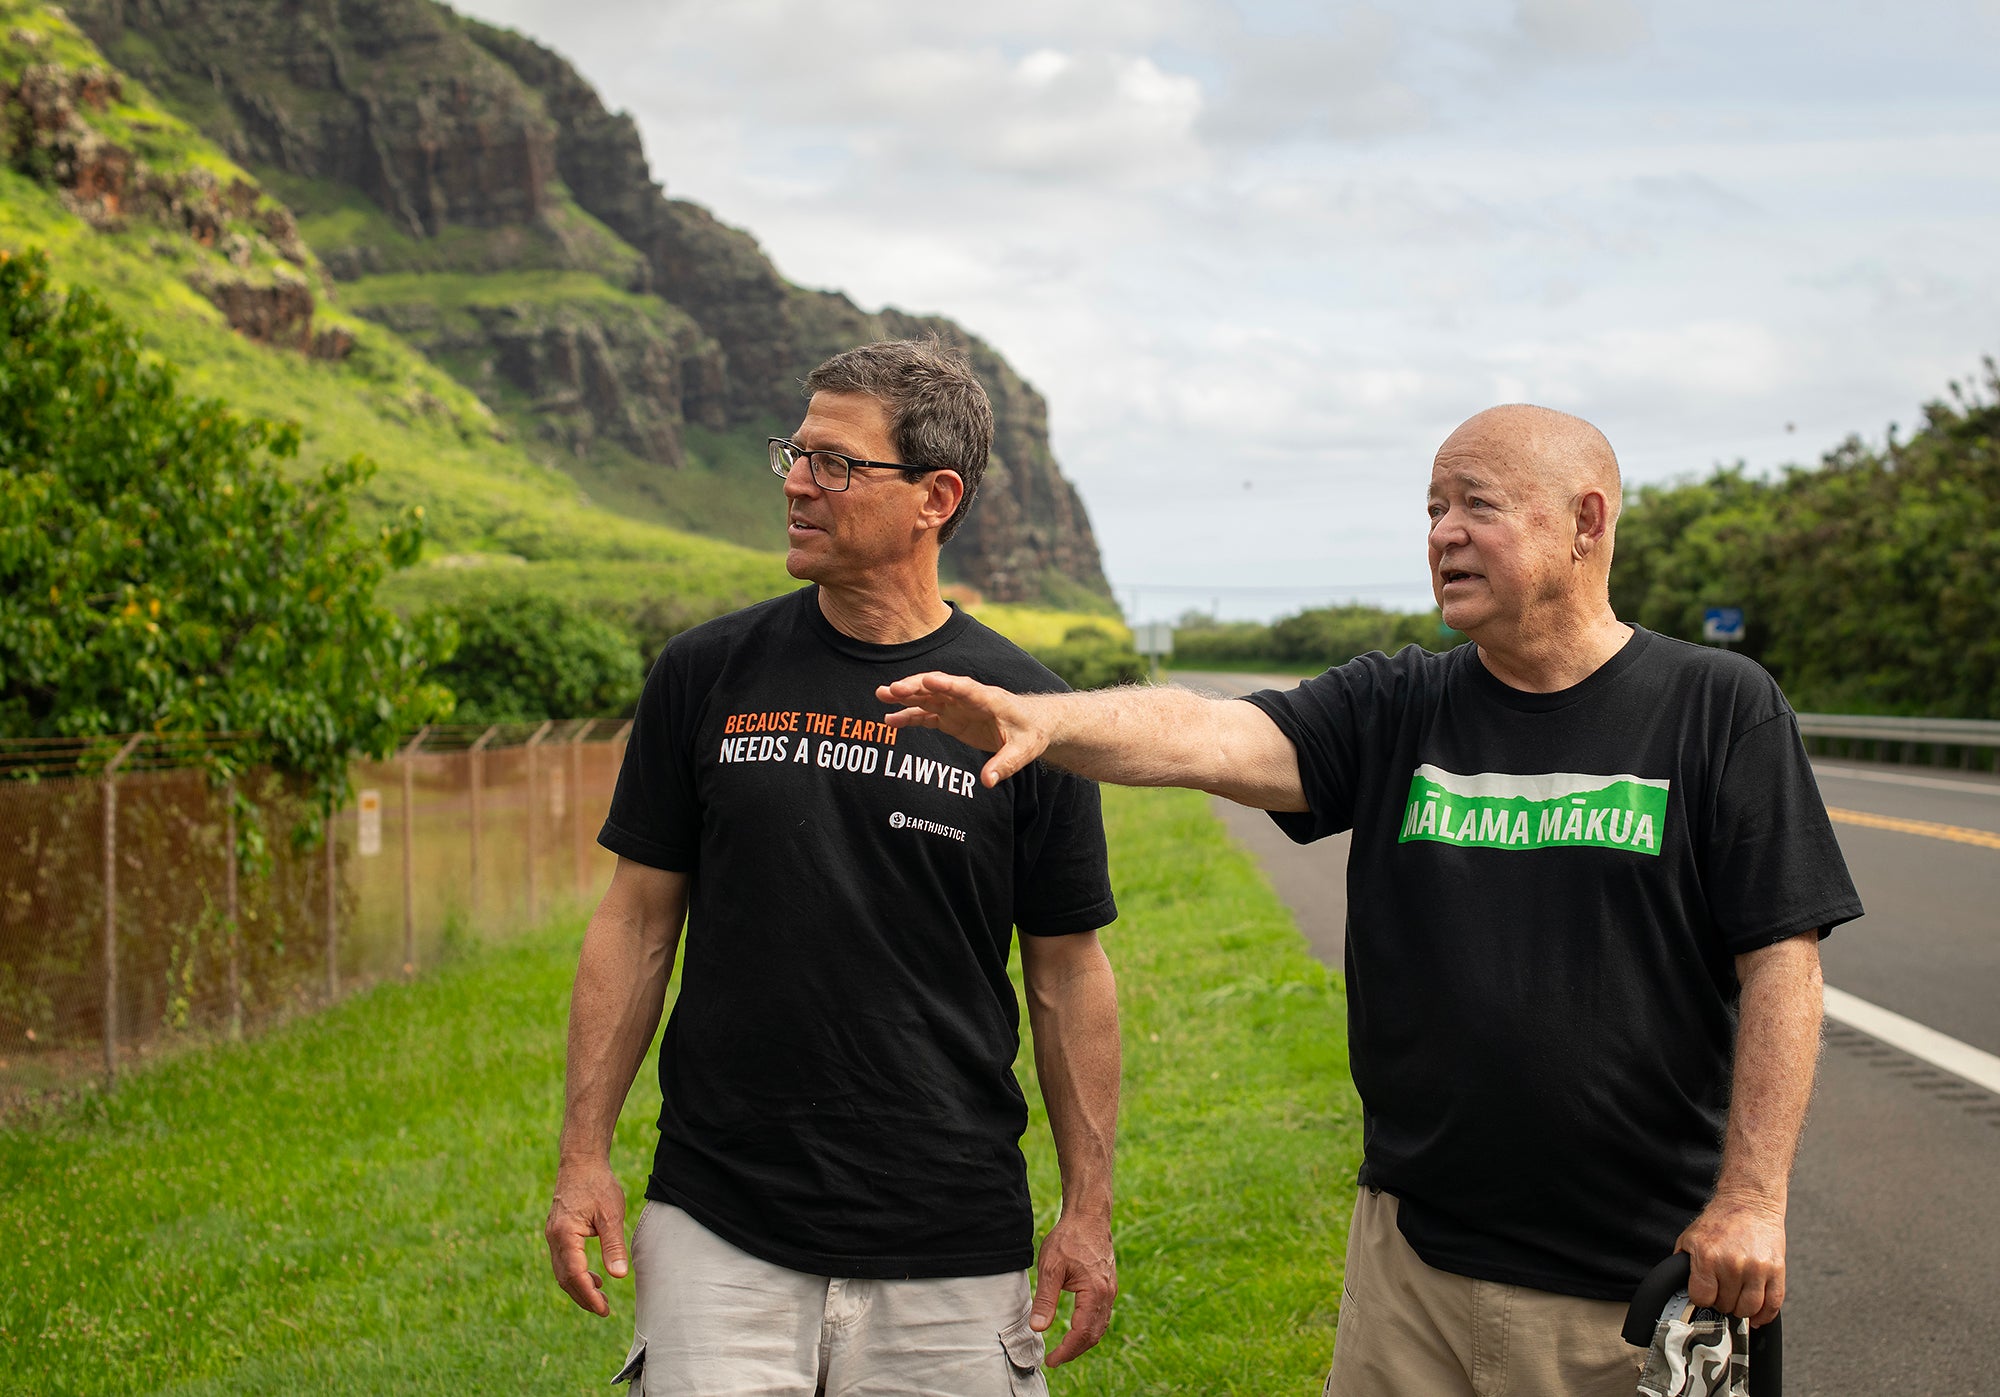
529,657
1091,657
1866,582
1318,636
160,571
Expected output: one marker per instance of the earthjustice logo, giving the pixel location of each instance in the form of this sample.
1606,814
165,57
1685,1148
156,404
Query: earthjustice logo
899,820
1490,810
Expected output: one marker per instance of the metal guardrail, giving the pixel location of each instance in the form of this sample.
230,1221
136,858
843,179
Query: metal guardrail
1953,732
1971,744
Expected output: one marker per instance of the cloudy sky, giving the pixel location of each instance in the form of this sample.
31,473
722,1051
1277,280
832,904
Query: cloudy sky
1261,257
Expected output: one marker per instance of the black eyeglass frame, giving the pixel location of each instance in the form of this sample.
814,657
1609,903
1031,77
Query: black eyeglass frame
785,453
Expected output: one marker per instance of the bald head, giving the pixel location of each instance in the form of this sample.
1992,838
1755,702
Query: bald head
1523,504
1564,455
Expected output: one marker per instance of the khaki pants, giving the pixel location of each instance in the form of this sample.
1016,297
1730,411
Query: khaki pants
713,1321
1410,1330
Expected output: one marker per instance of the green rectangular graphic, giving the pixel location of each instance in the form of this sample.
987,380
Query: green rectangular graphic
1496,810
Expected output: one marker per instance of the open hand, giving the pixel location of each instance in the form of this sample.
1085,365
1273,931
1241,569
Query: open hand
1736,1252
979,715
1076,1255
588,1202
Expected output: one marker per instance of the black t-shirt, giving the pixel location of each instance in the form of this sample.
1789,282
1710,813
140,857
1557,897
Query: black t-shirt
1546,893
838,1068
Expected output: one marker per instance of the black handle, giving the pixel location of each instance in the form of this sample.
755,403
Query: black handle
1662,1283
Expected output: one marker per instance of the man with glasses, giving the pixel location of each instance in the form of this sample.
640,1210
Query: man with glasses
838,1201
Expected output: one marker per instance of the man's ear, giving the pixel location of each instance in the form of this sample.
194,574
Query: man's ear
1593,523
942,493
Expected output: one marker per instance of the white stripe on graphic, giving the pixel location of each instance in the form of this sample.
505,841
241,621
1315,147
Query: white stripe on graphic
1918,1040
1549,785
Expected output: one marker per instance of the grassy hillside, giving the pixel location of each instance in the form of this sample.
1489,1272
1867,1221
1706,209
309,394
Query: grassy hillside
354,1203
491,491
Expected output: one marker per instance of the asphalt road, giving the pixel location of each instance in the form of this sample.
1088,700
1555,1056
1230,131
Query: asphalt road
1895,1217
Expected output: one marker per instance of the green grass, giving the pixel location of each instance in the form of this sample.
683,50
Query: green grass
335,217
353,1203
1039,628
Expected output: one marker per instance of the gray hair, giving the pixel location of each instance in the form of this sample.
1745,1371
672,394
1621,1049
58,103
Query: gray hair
938,411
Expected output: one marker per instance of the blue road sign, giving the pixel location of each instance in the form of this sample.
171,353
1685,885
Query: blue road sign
1723,624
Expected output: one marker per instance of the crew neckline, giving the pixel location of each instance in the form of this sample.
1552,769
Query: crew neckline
902,650
1600,678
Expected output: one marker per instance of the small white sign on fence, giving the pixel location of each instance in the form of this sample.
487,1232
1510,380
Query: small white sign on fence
368,832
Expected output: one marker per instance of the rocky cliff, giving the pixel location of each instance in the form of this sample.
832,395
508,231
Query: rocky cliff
470,189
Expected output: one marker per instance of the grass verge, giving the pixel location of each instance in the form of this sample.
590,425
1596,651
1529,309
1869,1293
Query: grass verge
353,1204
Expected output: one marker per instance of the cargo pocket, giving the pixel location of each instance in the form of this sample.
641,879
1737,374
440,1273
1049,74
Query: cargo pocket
634,1370
1024,1349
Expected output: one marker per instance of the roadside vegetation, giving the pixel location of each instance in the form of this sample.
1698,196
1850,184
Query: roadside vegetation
161,571
353,1203
1306,642
1866,581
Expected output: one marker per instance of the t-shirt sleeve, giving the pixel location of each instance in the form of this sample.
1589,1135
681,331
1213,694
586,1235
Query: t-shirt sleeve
1062,880
1323,718
654,818
1772,864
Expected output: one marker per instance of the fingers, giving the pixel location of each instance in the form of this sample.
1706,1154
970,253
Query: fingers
1088,1323
1746,1286
588,1202
1774,1300
1048,1290
572,1268
611,1237
1701,1278
1075,1257
1008,760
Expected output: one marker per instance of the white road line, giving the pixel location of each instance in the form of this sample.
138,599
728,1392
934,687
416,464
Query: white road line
1938,1049
1894,778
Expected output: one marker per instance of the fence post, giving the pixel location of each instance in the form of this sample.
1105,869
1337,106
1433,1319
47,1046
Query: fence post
332,911
231,909
111,907
410,852
578,853
477,784
534,826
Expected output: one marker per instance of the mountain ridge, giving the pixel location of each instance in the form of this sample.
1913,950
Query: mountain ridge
414,142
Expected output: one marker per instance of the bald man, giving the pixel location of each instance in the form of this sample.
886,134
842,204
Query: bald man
1589,875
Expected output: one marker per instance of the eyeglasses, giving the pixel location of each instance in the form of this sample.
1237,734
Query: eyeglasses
830,470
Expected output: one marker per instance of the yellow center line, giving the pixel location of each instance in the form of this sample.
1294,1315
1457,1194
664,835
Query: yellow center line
1958,834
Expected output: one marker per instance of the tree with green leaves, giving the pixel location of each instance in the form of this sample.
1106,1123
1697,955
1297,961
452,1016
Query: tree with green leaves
1866,582
526,657
162,571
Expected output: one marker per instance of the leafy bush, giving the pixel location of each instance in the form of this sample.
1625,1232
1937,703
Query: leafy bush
533,657
1867,582
1091,657
159,571
1320,636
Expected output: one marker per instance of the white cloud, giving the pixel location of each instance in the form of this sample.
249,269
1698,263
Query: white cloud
1583,27
1262,257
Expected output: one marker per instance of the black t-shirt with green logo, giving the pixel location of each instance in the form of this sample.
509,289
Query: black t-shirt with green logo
1546,893
837,1072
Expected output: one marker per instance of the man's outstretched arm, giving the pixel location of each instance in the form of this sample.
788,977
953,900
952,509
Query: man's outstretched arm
1073,1010
1737,1245
1132,736
621,988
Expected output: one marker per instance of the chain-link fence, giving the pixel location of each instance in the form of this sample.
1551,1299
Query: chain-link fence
144,904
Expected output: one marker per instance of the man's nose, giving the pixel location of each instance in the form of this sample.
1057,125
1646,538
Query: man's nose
799,482
1447,529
